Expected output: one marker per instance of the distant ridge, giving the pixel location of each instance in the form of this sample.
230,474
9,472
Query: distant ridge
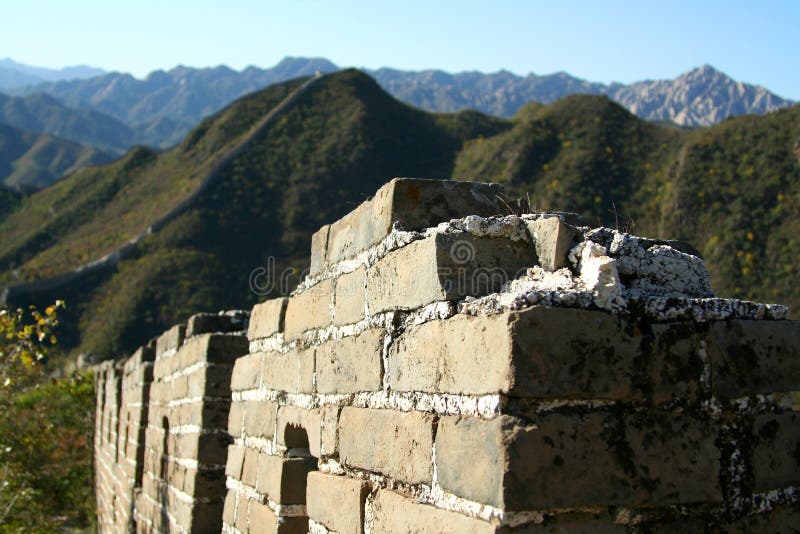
14,74
165,105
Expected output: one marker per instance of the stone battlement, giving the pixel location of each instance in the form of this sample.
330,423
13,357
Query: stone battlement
449,368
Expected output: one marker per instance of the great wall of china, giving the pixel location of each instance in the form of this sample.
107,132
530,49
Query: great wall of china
445,368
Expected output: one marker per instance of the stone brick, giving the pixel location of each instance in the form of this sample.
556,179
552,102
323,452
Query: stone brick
573,353
170,340
229,508
329,434
463,354
209,323
776,451
350,364
750,357
283,480
319,247
293,421
349,298
205,484
676,368
398,444
412,203
394,513
292,371
545,352
308,310
267,318
246,372
553,239
242,512
609,460
226,348
233,466
444,267
262,518
236,419
250,467
336,502
259,418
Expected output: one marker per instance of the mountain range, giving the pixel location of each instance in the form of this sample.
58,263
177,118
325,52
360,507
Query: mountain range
14,74
165,105
180,231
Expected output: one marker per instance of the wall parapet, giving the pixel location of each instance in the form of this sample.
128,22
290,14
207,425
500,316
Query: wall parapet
442,371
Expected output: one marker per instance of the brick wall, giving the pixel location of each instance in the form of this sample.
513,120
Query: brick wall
445,372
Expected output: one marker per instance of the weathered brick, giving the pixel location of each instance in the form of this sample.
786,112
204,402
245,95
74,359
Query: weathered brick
205,484
267,318
291,371
250,467
319,247
212,348
230,508
262,518
283,480
545,352
242,513
553,239
259,418
609,460
349,298
412,203
463,354
294,422
246,372
444,267
233,466
394,513
308,310
336,502
170,340
398,444
750,357
350,364
776,451
236,419
329,419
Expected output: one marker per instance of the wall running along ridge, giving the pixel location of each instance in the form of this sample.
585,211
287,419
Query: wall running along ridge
448,369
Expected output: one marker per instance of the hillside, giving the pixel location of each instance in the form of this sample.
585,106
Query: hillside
31,161
163,107
14,74
42,113
732,190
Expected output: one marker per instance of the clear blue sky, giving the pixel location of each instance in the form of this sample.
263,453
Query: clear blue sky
753,41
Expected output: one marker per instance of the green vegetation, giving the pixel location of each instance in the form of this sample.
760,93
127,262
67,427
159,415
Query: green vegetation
45,430
31,161
732,190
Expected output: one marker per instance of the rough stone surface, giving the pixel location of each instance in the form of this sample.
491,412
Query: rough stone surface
413,204
395,513
283,480
209,323
444,266
349,297
385,441
351,364
553,238
776,451
267,318
308,310
292,372
337,502
754,357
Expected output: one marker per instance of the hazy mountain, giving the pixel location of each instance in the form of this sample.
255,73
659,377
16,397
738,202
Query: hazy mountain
32,160
163,107
42,113
14,74
167,104
732,190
